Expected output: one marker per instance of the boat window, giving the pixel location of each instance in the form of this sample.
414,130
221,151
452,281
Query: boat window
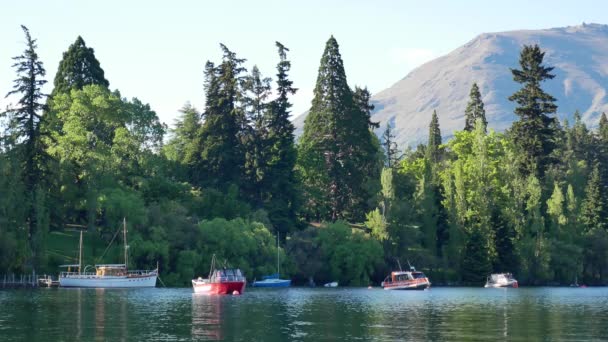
419,275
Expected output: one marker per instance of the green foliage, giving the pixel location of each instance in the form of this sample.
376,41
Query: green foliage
351,257
476,264
247,245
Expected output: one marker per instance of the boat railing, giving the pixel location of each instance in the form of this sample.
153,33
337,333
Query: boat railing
142,272
226,279
73,274
94,274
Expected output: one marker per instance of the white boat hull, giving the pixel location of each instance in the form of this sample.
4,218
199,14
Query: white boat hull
108,281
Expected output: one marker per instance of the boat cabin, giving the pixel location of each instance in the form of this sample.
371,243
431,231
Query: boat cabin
399,276
115,270
226,275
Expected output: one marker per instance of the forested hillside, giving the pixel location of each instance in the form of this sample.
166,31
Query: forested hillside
226,178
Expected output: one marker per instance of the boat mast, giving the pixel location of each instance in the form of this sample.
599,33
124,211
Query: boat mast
124,232
80,254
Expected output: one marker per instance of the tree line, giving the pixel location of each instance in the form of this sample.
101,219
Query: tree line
346,203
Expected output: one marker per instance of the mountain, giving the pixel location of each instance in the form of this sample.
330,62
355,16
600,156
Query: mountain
578,53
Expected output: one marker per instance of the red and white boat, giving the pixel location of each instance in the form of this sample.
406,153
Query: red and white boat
221,281
406,280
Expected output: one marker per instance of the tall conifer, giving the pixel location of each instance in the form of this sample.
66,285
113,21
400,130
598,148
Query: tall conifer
222,158
534,131
475,110
78,68
337,149
25,134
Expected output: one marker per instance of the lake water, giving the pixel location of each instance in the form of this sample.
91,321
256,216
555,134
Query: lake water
301,314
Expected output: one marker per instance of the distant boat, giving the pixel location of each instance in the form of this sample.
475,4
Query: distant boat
332,284
273,280
220,281
107,275
501,280
406,280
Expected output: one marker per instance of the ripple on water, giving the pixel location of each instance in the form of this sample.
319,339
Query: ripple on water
305,314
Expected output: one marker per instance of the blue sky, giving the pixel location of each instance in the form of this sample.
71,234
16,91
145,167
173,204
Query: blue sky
156,50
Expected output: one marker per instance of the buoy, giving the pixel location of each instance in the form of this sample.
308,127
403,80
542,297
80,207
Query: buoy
369,287
235,292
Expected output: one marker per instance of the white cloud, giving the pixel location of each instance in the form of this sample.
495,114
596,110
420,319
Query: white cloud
410,57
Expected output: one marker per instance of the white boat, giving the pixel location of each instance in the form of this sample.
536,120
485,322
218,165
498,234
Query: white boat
332,284
107,275
501,280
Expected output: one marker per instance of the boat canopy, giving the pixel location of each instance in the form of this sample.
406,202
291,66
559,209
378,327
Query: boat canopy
72,265
111,266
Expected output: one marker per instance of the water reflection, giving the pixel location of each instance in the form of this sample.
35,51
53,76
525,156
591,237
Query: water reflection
441,314
206,317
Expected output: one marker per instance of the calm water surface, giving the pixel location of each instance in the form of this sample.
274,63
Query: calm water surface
300,314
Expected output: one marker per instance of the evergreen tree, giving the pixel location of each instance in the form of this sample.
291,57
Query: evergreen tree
78,68
282,199
475,110
255,135
24,122
390,147
533,132
221,156
432,149
183,145
337,151
603,128
593,216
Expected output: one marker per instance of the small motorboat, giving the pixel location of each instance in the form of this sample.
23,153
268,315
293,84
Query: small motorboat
332,284
501,280
406,280
221,281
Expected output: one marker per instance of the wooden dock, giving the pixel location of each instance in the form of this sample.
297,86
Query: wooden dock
12,281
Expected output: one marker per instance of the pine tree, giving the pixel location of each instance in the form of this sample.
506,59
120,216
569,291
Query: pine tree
337,152
221,156
25,134
603,128
254,136
475,110
183,147
391,149
533,132
432,149
282,200
593,215
78,68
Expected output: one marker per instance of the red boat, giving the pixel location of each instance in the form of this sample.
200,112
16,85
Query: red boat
406,280
221,281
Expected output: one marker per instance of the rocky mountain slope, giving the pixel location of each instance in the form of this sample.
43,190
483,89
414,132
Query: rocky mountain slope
578,53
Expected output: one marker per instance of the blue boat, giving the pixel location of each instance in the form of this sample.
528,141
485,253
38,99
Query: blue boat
273,280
